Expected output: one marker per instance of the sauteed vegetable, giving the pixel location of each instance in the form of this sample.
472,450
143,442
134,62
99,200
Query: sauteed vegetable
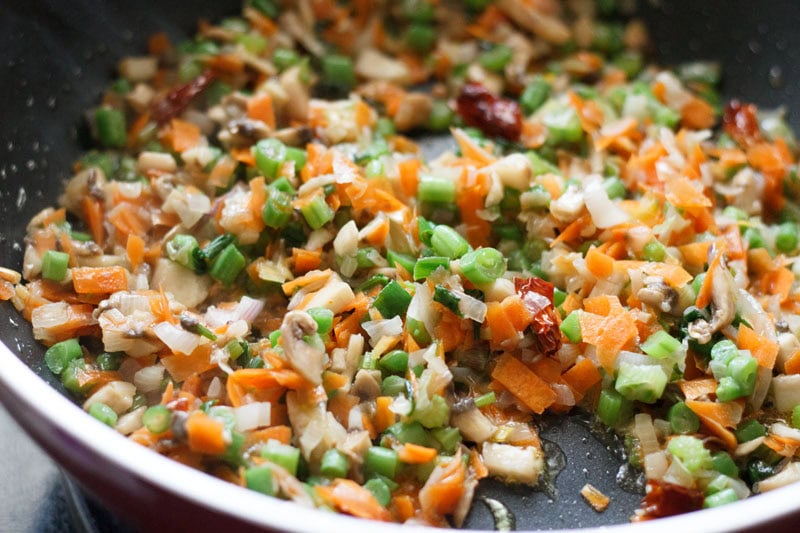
257,273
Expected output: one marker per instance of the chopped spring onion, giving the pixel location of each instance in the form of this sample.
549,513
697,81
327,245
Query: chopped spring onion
334,464
571,327
436,189
393,300
323,317
183,250
654,251
611,407
55,265
485,400
270,155
750,430
496,58
395,362
157,419
378,487
110,127
691,452
259,479
661,345
447,242
317,212
534,95
382,461
277,209
282,454
644,383
337,70
483,265
682,420
103,413
227,265
59,355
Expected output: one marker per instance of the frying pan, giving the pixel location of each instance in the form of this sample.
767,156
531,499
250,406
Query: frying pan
55,59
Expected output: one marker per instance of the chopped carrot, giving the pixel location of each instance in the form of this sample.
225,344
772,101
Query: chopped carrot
599,263
444,488
763,349
305,261
244,155
682,192
282,434
403,506
158,44
778,282
332,381
349,497
697,114
792,364
704,294
181,367
315,277
260,108
582,376
384,417
572,231
205,434
409,176
93,214
414,454
696,389
364,116
183,135
719,418
258,197
695,254
99,280
472,150
523,383
135,250
610,334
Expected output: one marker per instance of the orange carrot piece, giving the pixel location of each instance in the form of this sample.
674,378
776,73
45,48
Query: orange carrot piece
572,231
282,434
609,334
792,365
599,263
93,214
704,294
305,260
99,280
683,193
135,250
471,150
778,282
444,489
763,349
674,275
523,383
349,497
697,114
414,454
258,197
319,276
582,376
695,254
695,389
260,108
719,418
205,434
181,367
409,176
404,507
384,417
184,135
363,115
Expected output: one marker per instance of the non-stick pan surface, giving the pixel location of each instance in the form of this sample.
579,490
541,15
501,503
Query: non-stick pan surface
56,57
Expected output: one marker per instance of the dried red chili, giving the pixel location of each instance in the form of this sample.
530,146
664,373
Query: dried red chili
496,117
537,295
667,499
178,99
740,121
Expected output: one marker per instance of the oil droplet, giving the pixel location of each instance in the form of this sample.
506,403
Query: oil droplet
22,196
776,77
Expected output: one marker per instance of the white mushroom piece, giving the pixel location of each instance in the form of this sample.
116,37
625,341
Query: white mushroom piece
308,360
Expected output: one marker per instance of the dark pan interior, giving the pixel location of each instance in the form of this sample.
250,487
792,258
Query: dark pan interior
55,57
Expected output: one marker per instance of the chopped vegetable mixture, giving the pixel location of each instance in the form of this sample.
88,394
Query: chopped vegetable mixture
257,273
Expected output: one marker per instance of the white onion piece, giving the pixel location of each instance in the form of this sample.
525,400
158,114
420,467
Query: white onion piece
377,329
248,309
782,430
678,474
215,388
177,339
470,307
746,448
318,238
604,212
655,464
564,394
253,415
118,395
346,241
216,317
149,378
400,406
421,308
130,422
751,311
474,425
513,463
786,392
790,474
335,295
644,430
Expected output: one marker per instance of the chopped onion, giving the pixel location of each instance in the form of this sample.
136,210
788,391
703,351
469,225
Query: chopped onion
161,161
605,213
216,317
401,406
786,432
149,378
644,430
253,415
48,316
421,308
318,238
118,395
751,311
786,392
177,339
746,448
521,464
215,388
470,307
678,474
248,309
335,295
376,329
790,474
564,394
655,464
130,422
474,425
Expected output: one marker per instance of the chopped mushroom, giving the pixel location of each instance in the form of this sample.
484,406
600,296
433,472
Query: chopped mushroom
414,111
658,294
308,360
526,14
374,65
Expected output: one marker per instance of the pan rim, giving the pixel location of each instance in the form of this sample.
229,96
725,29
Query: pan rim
184,482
